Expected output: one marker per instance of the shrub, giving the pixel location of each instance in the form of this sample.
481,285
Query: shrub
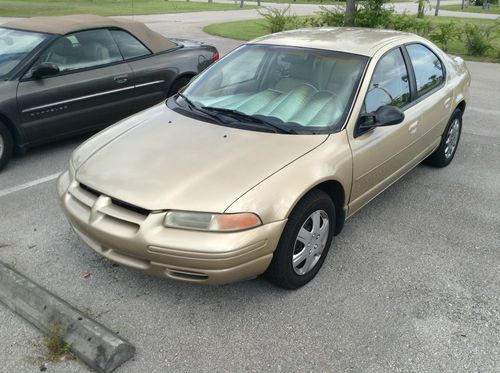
408,23
423,28
372,13
333,16
445,33
481,2
276,18
402,22
477,39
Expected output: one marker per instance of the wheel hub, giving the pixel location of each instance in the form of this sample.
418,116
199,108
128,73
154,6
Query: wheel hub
452,138
310,242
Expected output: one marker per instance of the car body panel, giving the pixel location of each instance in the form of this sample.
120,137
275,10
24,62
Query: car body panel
74,102
272,201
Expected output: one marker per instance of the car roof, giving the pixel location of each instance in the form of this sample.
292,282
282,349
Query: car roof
362,41
62,25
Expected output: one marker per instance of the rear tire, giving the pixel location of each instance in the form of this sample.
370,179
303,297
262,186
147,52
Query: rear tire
447,148
304,243
6,145
178,85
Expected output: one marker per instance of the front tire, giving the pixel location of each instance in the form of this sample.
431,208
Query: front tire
444,154
6,146
304,243
178,85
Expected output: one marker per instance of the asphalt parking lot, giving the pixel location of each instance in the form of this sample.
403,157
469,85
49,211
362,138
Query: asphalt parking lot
411,284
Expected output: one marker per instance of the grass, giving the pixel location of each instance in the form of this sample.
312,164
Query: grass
251,29
494,9
56,348
241,30
30,8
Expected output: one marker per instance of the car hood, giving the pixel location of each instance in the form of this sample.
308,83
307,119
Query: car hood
171,161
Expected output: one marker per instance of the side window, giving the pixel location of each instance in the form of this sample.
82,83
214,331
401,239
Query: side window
82,50
428,68
129,45
389,84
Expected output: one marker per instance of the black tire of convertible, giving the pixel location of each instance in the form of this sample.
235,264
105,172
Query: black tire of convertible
8,146
280,271
178,85
438,157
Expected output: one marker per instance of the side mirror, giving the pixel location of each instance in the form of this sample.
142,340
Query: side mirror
44,69
386,115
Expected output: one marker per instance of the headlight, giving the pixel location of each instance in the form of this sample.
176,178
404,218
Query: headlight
211,222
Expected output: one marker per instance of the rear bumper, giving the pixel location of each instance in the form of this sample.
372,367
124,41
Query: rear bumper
143,243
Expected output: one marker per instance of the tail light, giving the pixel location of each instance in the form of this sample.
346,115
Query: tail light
216,56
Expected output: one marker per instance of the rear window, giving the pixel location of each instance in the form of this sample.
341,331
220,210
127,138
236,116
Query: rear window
129,46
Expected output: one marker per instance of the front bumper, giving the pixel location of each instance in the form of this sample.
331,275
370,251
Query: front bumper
139,240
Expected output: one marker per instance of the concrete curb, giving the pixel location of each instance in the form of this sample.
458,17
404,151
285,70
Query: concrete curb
91,342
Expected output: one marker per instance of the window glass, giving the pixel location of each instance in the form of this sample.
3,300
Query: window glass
390,83
15,45
129,45
427,66
82,50
304,89
235,74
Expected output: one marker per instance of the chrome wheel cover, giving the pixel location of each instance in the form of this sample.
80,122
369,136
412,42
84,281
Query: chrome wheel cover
452,139
310,242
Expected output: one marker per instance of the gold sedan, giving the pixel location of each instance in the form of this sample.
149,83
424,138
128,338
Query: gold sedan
256,164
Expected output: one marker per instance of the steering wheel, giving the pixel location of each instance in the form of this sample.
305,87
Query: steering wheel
376,86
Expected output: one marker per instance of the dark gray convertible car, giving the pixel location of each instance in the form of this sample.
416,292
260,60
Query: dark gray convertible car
61,76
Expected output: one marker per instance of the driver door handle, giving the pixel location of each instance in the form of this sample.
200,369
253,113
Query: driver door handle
412,128
121,79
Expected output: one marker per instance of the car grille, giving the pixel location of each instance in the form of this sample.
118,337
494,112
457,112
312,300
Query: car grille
93,206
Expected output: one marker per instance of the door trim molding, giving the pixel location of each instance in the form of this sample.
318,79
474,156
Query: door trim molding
77,99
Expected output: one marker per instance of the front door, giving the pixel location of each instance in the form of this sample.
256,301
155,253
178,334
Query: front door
93,88
383,154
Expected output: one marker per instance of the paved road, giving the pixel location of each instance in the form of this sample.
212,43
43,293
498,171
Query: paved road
411,284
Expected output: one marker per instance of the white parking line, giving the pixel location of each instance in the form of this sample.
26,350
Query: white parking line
29,184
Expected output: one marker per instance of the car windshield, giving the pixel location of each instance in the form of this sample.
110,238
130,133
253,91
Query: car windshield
296,89
15,45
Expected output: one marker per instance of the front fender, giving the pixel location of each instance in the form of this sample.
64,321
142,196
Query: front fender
274,198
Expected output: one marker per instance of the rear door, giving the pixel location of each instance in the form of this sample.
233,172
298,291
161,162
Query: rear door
94,87
432,96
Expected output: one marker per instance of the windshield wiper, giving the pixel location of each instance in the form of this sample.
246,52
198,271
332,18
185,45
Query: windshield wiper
246,117
193,107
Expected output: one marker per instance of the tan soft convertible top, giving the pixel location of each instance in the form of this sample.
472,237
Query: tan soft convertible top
66,24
